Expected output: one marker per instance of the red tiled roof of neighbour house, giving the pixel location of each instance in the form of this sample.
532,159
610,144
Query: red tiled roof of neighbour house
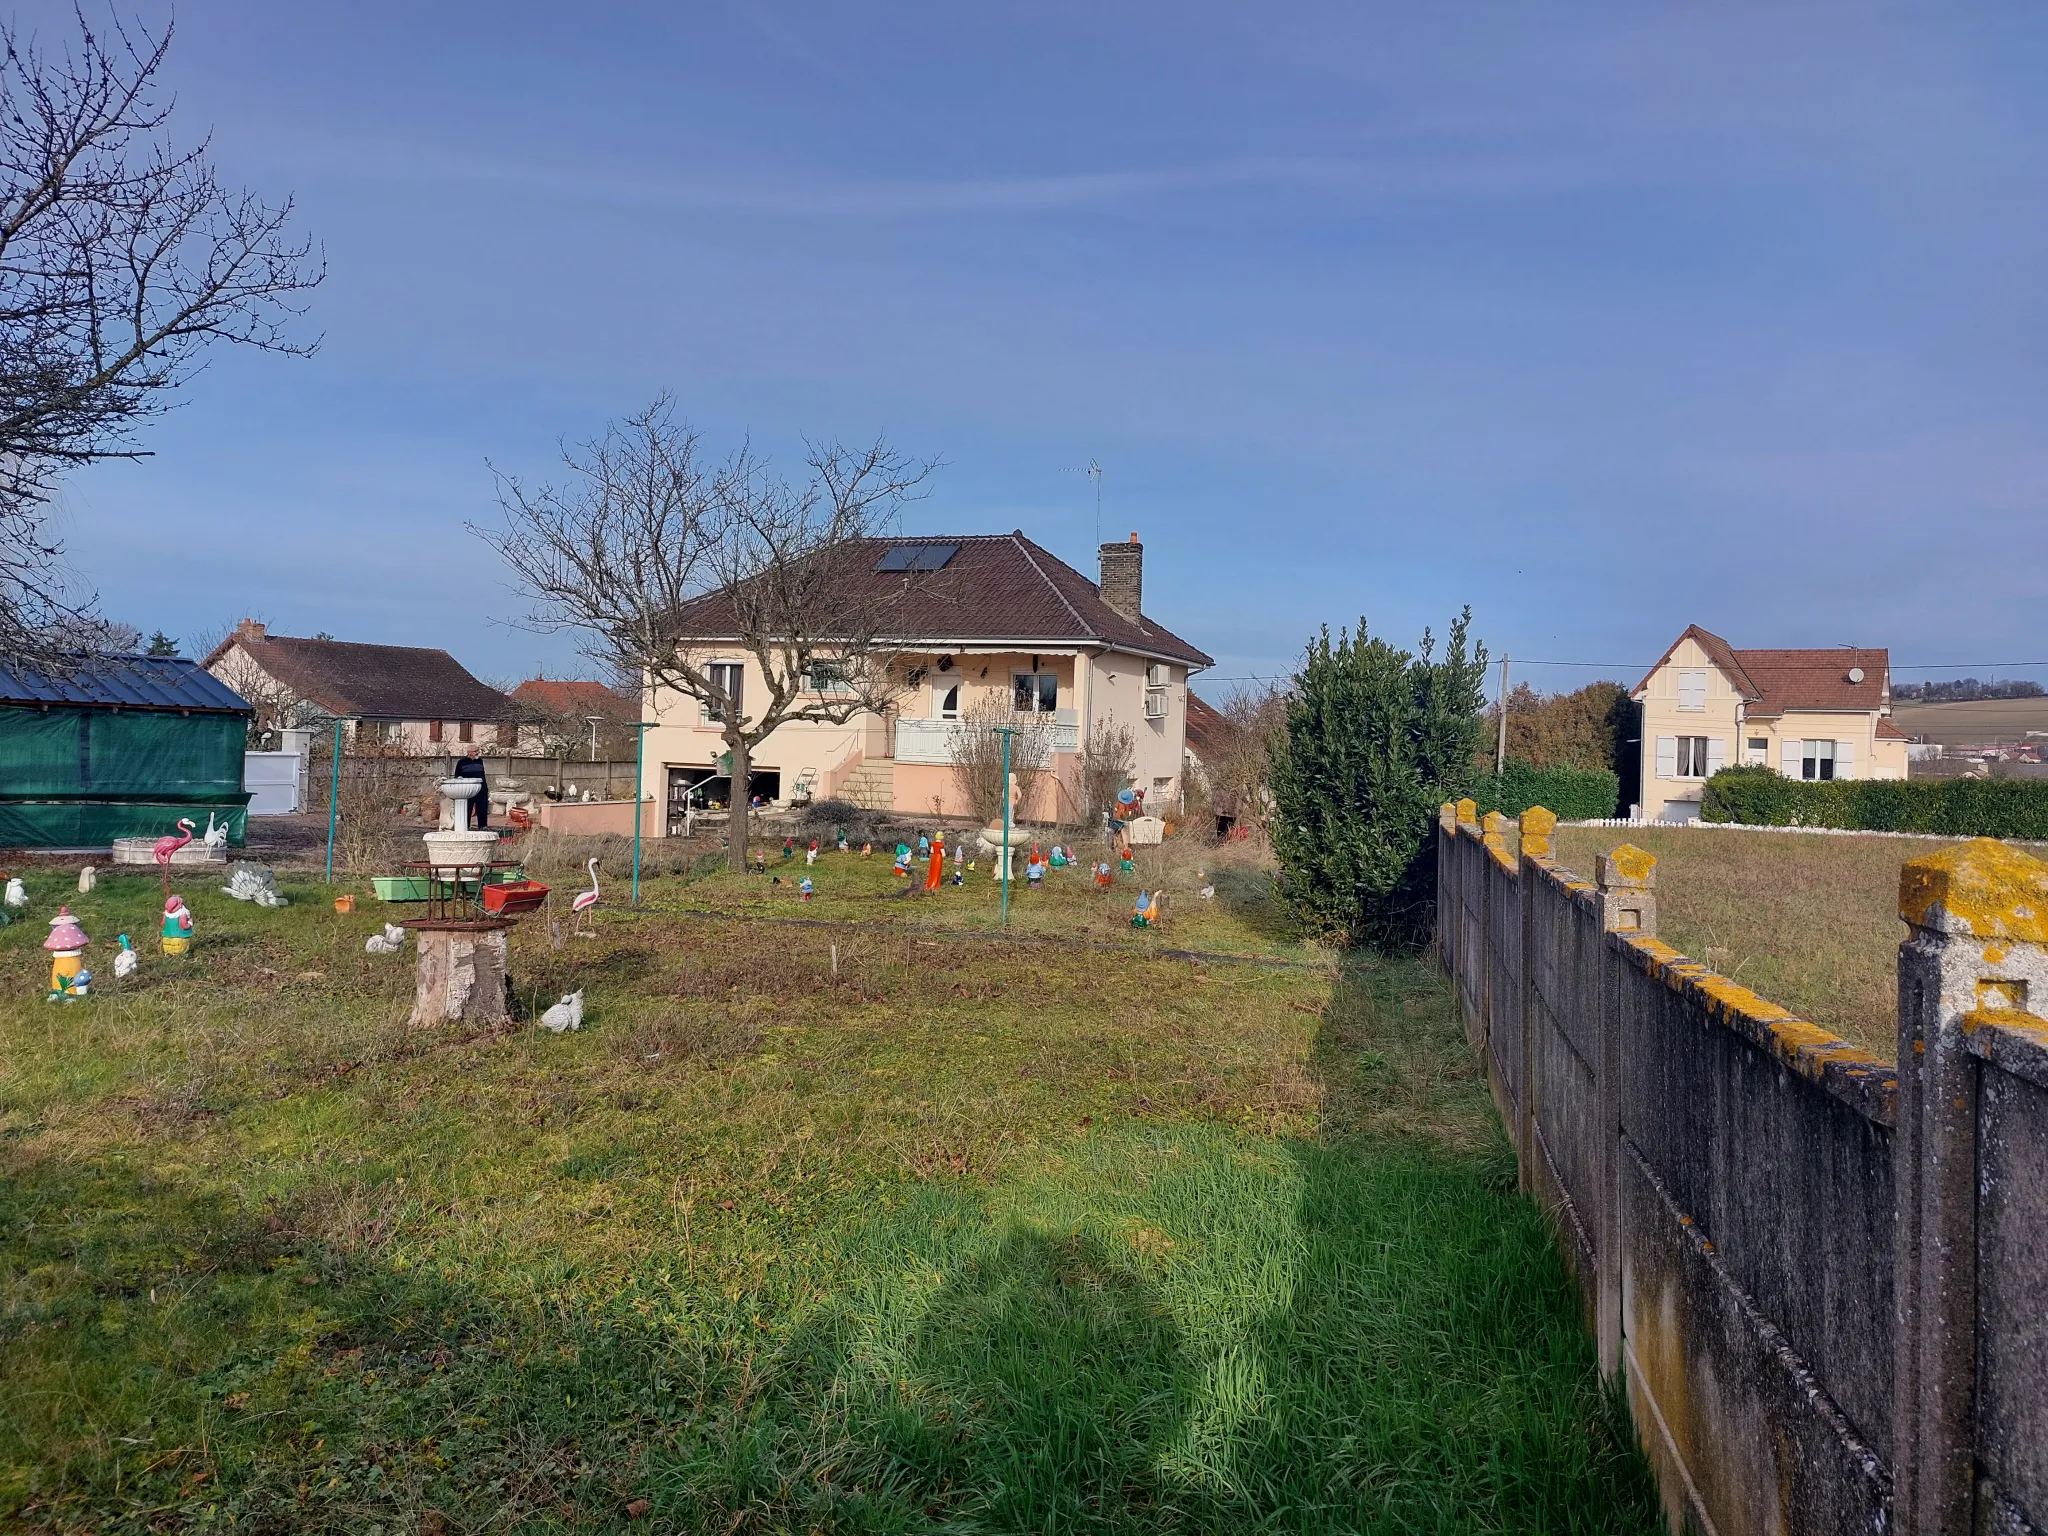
1886,731
1205,725
1818,679
373,682
996,587
562,696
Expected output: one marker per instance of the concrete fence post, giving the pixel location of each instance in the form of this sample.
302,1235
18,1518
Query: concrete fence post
1977,946
1447,896
1625,883
1537,826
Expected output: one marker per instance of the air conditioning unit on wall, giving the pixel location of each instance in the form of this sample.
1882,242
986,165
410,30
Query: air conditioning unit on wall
1155,703
1157,675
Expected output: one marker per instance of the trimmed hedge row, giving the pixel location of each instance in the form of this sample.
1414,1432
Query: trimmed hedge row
1572,794
1759,797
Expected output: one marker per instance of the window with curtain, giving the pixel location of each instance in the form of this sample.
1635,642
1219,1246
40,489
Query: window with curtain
1035,693
727,675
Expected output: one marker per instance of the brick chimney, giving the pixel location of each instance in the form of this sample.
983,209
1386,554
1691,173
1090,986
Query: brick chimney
1123,576
249,629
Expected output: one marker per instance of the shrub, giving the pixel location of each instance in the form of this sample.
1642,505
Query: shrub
1376,740
1755,796
1573,794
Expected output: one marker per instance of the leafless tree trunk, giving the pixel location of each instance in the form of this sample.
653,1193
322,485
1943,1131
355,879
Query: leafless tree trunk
121,258
1234,766
669,567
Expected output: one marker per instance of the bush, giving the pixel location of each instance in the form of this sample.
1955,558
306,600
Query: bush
1376,740
1756,796
1572,794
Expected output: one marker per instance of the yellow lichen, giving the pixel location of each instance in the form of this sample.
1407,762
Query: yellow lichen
1537,826
1631,862
1468,811
1991,890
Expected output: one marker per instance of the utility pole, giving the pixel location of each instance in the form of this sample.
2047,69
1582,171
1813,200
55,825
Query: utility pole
1500,753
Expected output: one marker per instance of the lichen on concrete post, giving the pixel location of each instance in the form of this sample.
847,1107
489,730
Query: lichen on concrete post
1977,947
1468,813
1627,881
460,977
1538,828
1447,816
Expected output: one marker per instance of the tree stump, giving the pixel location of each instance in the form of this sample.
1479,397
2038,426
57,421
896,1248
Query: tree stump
461,975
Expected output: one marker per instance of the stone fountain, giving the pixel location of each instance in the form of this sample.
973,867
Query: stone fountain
462,960
452,844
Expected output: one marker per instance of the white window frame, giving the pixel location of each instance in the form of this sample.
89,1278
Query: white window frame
1037,682
1815,764
732,677
837,683
1693,753
939,692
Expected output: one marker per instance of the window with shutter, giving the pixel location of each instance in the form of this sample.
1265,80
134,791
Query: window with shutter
1667,757
1788,760
1692,689
1845,759
1717,755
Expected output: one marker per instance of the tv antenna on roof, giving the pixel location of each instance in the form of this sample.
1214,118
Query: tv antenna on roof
1093,472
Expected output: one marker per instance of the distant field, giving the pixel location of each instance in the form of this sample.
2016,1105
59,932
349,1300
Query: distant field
1809,922
1982,721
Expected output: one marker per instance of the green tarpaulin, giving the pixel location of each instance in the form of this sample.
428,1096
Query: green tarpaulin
74,777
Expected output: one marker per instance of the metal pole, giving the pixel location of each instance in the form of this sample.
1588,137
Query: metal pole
1500,753
639,811
1005,854
333,800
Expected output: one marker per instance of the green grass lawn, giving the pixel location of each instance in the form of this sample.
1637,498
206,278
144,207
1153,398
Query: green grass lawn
1059,1234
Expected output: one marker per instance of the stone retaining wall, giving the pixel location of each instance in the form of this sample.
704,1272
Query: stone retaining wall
1824,1281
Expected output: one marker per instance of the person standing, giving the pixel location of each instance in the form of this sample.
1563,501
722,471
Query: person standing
470,766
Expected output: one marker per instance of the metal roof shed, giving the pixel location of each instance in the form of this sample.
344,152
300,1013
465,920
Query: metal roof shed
118,746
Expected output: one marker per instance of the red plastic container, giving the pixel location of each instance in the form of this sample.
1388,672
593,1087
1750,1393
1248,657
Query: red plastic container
514,897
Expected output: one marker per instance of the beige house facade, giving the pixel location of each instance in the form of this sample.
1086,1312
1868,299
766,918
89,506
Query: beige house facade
1808,714
1008,626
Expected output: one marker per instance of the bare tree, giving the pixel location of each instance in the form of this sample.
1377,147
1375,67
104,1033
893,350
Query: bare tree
1234,761
121,258
977,745
668,567
1107,762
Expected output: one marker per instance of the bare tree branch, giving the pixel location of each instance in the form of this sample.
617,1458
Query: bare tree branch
121,259
665,566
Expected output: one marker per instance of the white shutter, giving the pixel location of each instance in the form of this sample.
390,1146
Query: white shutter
1790,760
1717,755
1845,759
1667,757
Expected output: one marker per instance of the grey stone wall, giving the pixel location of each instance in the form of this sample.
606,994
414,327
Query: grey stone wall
1824,1281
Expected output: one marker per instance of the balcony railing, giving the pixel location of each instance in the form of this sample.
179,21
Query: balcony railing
931,741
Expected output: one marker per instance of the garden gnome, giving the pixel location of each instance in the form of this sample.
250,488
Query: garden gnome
804,889
789,847
1059,857
1147,912
66,944
1127,864
867,850
902,859
1103,878
842,839
177,935
1034,868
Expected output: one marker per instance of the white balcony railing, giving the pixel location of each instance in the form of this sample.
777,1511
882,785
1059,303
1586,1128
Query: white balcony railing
931,741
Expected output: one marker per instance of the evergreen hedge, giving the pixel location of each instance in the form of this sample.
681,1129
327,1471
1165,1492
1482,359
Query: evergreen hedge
1760,797
1571,794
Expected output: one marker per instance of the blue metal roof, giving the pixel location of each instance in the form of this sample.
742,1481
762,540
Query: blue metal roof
124,682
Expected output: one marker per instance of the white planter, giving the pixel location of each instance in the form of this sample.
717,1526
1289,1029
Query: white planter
467,848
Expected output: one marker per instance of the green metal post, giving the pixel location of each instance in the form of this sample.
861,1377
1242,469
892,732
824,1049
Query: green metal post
333,801
639,811
1005,854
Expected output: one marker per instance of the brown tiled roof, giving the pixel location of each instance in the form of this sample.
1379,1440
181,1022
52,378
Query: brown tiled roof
563,696
373,682
1886,731
998,587
1205,725
1772,682
1816,679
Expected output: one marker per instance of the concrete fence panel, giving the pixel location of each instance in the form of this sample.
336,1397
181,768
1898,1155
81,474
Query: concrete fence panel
1824,1280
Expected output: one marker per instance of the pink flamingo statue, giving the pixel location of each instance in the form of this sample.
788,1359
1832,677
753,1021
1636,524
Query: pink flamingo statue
585,904
166,847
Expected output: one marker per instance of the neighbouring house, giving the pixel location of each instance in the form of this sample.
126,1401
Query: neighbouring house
562,717
404,698
1822,714
1003,619
118,746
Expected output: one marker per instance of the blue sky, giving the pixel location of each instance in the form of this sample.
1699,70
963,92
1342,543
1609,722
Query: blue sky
1603,319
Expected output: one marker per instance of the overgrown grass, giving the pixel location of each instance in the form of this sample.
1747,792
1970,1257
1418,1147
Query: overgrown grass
1812,923
966,1237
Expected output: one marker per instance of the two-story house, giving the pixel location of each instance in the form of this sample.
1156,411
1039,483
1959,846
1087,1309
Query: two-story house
1003,620
1808,714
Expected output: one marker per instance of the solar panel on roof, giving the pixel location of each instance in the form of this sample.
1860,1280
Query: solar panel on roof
917,557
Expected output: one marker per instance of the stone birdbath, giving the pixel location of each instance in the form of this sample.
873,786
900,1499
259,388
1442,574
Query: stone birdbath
462,959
